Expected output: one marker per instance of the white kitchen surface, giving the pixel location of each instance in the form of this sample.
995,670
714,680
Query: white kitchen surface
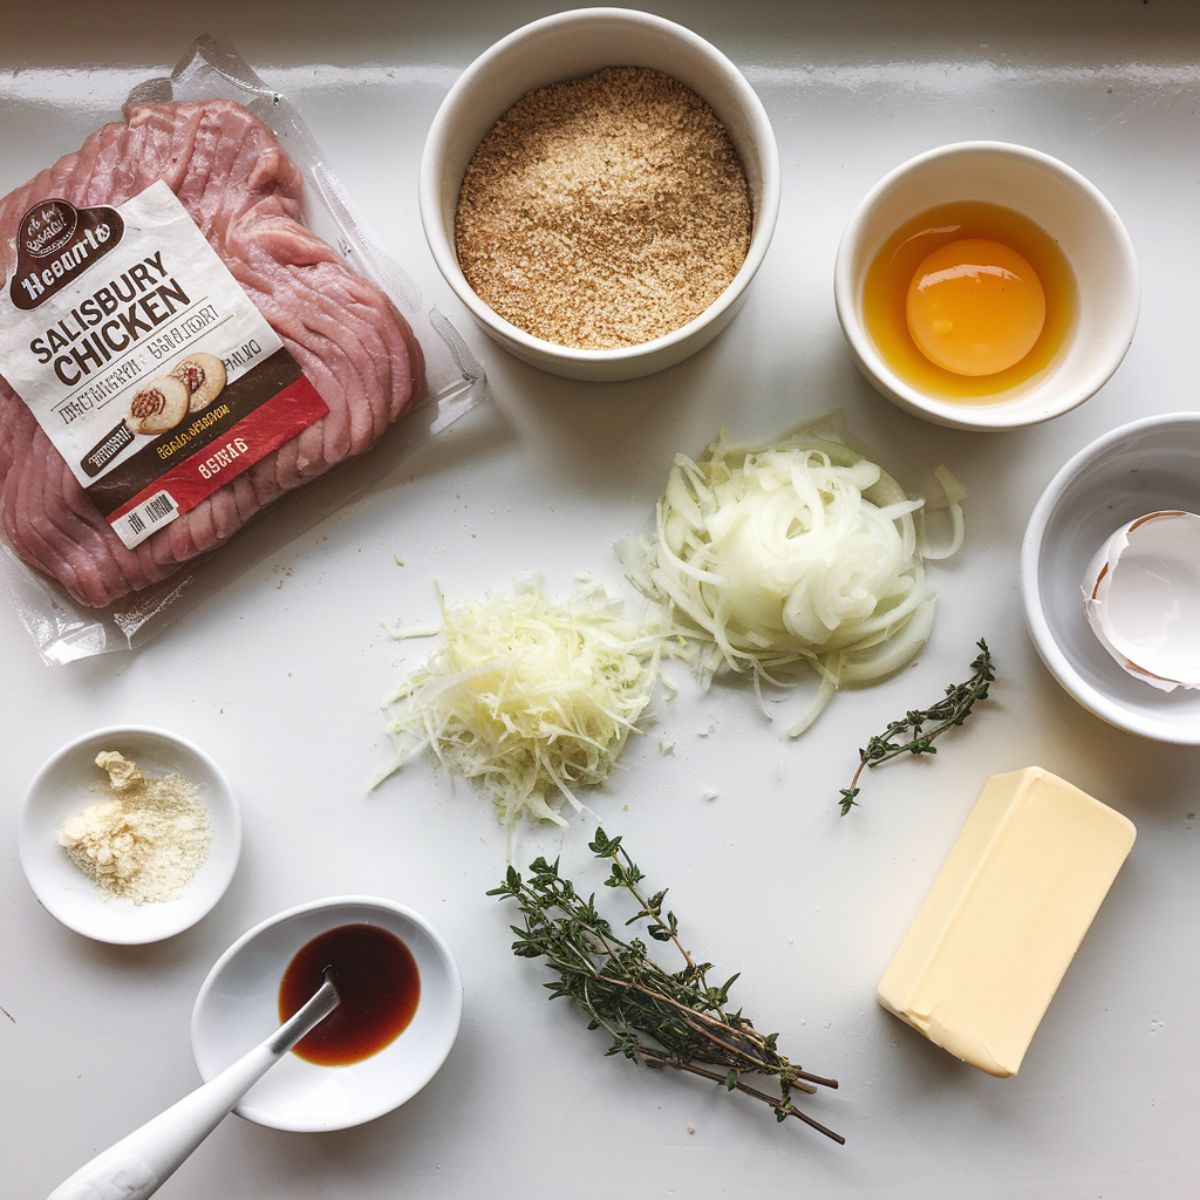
281,676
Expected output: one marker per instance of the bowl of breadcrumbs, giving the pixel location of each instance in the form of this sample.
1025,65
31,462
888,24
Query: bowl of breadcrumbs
599,188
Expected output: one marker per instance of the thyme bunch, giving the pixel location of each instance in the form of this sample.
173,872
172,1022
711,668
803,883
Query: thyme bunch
915,732
663,1019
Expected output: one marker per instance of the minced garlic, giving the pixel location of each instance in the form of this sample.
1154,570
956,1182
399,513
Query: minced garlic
146,840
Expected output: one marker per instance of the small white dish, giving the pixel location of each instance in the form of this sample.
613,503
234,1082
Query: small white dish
69,782
1139,468
1069,208
566,46
238,1005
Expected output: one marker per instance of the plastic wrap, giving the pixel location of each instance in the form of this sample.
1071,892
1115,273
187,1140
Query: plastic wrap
63,630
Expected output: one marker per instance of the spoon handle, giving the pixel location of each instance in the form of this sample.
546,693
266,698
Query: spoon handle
139,1164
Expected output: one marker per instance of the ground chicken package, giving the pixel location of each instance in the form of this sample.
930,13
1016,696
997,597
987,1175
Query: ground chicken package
193,323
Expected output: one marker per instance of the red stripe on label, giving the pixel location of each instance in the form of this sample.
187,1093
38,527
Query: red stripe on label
287,414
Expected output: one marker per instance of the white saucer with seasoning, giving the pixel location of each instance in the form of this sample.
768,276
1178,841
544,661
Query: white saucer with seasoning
238,1005
69,782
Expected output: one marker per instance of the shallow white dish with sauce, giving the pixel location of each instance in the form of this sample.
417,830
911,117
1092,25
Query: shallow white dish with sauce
238,1005
69,782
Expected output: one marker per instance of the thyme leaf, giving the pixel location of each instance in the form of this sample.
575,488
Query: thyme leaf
915,732
663,1019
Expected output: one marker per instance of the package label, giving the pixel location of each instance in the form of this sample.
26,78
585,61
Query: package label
148,366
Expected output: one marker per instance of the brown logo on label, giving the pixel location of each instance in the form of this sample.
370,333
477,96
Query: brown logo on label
48,227
56,243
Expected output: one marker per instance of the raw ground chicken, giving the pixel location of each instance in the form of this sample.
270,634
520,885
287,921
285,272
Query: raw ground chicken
244,193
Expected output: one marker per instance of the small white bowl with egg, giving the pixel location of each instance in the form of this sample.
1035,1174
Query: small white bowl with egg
565,46
69,782
1065,206
238,1006
1078,530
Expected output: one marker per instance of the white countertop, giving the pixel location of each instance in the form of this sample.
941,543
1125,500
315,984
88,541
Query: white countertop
281,675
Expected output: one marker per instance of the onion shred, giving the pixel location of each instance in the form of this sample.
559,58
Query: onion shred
798,553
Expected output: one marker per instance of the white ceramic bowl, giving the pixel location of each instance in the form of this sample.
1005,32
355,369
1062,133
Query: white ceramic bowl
1068,208
566,46
237,1008
1148,465
67,784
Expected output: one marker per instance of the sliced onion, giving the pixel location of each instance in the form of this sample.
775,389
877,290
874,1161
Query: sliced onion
797,553
952,495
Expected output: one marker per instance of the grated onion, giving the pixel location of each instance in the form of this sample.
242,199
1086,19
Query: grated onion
531,699
791,554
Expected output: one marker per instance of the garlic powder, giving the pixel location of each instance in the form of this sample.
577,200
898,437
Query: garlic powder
146,840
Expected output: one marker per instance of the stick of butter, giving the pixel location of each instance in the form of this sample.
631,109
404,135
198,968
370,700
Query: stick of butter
986,953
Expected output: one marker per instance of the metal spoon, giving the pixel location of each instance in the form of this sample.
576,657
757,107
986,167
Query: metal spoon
138,1165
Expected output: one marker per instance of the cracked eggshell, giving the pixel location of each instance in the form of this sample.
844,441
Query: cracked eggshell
1142,598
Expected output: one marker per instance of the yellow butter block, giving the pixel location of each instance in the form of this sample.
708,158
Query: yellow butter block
986,953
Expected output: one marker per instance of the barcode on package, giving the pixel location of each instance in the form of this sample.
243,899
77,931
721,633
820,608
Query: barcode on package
139,523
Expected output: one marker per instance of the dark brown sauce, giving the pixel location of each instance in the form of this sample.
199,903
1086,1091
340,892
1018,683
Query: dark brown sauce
378,986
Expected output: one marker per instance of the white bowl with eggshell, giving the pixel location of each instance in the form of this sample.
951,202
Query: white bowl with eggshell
566,46
1075,215
238,1006
1078,531
70,782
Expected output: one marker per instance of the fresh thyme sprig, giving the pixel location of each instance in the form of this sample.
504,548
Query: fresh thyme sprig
915,731
664,1019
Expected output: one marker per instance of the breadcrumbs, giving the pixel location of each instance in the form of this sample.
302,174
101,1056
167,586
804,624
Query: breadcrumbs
605,211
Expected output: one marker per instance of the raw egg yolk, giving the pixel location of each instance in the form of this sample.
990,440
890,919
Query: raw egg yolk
975,307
